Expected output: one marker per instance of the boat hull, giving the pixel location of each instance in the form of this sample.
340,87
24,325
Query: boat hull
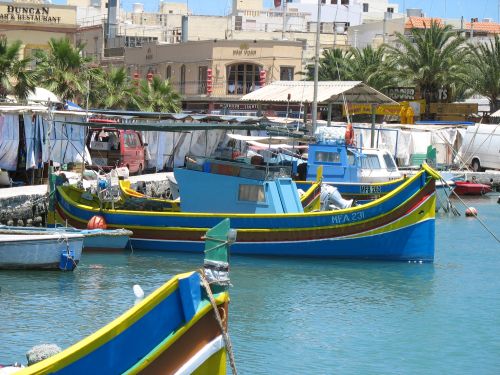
173,329
38,251
399,226
471,188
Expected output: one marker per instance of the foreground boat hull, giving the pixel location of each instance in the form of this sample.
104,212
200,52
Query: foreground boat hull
39,251
173,329
399,226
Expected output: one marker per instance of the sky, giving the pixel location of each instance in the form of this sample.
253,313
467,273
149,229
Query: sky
432,8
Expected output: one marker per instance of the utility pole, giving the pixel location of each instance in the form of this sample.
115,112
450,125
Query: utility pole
316,67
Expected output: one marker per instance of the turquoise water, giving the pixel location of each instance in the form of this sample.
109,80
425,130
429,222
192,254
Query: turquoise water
298,316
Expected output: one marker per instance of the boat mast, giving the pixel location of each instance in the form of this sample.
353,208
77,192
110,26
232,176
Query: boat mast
316,66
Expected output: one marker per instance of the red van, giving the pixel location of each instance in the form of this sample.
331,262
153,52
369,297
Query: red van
110,148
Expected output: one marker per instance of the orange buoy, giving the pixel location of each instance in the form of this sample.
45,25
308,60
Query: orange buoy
470,211
97,222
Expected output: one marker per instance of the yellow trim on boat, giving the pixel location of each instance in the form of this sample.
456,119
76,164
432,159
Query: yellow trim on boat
117,326
428,207
379,201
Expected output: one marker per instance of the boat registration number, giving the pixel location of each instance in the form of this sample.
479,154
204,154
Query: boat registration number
370,189
348,218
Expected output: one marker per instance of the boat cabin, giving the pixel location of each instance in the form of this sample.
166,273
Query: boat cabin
224,186
340,164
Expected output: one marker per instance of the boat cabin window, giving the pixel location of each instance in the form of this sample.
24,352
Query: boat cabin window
327,157
389,162
251,193
371,162
351,158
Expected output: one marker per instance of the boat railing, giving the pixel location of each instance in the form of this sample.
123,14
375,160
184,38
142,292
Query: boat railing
237,169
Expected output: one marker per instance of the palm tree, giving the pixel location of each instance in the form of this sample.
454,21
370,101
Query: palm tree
367,65
15,76
431,58
157,96
113,89
331,66
64,71
370,66
485,70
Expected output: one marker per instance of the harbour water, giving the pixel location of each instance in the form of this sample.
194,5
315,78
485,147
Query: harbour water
297,316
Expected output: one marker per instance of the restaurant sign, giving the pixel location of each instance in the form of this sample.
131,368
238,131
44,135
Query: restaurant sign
401,93
244,50
31,14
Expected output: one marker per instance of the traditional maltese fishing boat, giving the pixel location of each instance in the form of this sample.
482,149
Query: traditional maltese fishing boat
269,215
180,328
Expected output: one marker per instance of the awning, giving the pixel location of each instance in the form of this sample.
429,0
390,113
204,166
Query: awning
495,114
334,92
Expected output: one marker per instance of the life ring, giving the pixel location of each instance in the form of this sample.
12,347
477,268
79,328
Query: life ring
349,134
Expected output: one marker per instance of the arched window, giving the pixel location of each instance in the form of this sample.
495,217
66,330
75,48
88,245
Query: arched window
183,80
168,73
242,78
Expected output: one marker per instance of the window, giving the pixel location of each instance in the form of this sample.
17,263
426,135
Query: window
370,162
389,162
183,80
344,2
131,140
242,78
390,10
333,2
365,7
168,73
286,73
327,157
251,193
202,79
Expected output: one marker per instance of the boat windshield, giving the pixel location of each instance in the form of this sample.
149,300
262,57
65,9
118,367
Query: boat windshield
370,162
389,162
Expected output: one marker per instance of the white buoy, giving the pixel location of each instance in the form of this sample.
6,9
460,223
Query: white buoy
138,292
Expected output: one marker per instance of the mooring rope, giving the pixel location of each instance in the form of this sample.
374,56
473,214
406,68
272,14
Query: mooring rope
225,335
473,213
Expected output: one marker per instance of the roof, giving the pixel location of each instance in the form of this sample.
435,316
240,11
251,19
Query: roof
487,27
421,22
328,92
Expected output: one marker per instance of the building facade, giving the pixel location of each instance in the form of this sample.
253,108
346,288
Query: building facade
236,67
35,23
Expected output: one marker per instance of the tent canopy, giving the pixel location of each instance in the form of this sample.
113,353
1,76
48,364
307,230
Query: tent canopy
354,92
41,95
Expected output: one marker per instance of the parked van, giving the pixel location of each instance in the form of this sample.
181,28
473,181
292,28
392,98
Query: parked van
481,147
110,148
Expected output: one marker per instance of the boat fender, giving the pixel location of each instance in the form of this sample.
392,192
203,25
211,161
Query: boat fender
471,211
97,222
349,134
138,292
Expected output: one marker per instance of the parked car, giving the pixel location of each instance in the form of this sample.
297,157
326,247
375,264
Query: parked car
481,147
110,148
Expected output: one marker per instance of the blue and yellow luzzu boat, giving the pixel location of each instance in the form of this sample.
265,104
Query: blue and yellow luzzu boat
270,217
175,330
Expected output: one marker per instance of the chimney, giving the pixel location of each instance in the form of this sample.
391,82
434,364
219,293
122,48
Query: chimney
112,24
184,32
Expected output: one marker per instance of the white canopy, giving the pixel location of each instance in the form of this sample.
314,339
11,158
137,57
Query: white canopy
495,114
41,95
328,92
